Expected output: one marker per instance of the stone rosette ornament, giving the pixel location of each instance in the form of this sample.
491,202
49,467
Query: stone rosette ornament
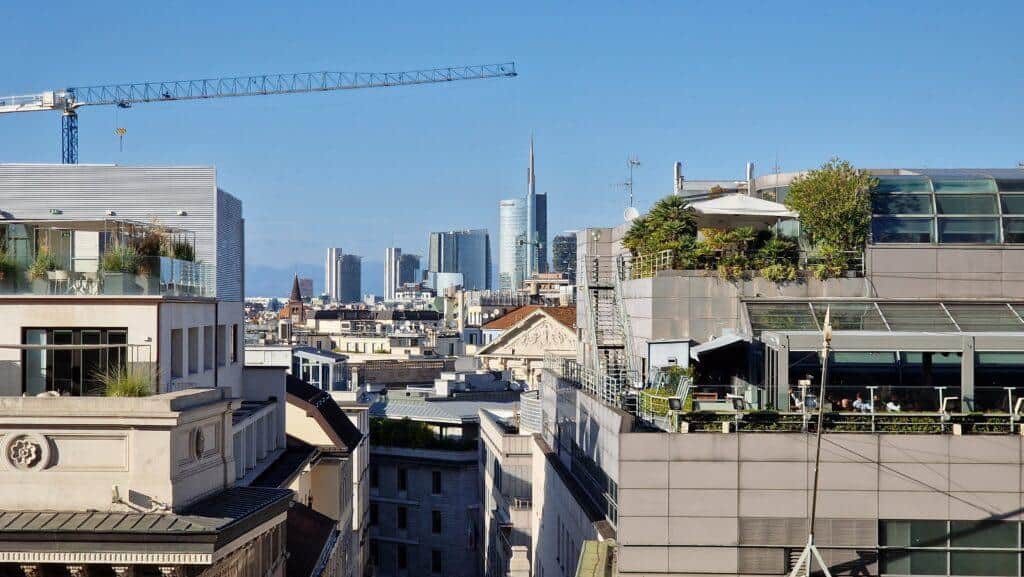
27,451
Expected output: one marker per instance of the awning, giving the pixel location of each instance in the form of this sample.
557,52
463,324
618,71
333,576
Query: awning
715,344
733,210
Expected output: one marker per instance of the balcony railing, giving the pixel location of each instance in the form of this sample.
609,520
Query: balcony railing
100,257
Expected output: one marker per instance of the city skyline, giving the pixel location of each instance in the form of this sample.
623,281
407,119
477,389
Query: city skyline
400,144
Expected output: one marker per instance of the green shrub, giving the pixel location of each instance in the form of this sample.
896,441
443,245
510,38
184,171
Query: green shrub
834,202
8,266
181,250
779,272
832,263
43,264
151,244
131,381
121,258
667,226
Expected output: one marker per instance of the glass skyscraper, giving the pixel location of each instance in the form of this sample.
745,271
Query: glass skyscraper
462,251
511,236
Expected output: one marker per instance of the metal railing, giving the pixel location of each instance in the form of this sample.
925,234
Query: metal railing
615,390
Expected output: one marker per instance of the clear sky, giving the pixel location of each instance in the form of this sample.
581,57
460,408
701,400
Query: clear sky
713,84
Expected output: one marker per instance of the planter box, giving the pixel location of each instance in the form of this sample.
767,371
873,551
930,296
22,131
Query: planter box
119,283
148,284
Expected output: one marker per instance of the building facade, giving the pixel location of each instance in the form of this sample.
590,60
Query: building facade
408,269
392,258
350,278
511,243
465,252
331,273
563,255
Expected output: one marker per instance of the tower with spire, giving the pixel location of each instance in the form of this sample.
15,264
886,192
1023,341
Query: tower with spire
531,216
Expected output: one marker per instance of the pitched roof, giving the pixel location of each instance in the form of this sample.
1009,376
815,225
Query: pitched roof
309,539
287,466
296,293
564,315
319,405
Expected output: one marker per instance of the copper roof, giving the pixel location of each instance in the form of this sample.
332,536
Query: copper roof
564,315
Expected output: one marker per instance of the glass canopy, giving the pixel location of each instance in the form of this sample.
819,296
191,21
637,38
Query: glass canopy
886,316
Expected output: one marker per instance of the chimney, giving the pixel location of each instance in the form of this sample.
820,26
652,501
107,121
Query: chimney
677,173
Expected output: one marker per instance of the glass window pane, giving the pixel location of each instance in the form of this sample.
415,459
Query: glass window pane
966,204
902,184
927,533
983,563
895,533
968,185
914,562
1010,184
852,316
985,318
969,230
1013,230
767,317
993,535
917,230
35,363
917,317
1013,203
901,204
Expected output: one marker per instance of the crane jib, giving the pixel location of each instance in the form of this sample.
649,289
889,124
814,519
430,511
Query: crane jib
124,95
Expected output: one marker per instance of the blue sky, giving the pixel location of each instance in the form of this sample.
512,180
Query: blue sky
713,84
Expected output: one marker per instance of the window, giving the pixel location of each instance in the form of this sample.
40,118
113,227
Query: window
374,553
435,561
401,557
435,522
497,475
403,479
914,230
221,337
1013,203
70,372
435,482
901,204
374,476
1013,230
193,350
965,203
374,513
207,347
968,548
177,353
403,518
969,230
234,343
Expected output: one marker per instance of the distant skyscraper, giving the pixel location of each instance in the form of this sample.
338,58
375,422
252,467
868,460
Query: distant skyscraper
331,273
408,268
511,239
462,251
563,255
523,233
350,278
392,256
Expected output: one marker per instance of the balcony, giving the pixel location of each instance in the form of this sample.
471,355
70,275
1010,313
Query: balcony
100,258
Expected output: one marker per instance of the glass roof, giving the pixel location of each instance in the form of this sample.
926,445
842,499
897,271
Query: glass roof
886,316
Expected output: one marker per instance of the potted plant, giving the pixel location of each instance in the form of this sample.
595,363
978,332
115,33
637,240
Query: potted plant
8,273
119,265
38,271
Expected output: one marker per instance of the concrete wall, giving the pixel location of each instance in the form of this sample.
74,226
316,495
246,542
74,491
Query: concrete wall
173,449
509,500
738,503
957,271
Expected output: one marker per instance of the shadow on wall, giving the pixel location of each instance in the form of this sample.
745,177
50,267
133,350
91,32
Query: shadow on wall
10,378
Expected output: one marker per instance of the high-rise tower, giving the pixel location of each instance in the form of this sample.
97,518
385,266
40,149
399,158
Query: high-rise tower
531,217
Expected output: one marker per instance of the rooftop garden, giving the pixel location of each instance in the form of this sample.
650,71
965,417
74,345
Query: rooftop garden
409,434
834,203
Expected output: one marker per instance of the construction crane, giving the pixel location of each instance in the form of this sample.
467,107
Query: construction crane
69,100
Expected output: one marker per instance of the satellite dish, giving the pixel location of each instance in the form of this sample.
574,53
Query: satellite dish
630,214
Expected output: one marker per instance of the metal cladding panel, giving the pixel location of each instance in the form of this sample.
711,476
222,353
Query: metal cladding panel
32,191
230,244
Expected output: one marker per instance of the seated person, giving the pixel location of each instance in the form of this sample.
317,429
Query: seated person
893,406
859,404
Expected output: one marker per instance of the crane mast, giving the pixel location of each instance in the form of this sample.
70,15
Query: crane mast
69,100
